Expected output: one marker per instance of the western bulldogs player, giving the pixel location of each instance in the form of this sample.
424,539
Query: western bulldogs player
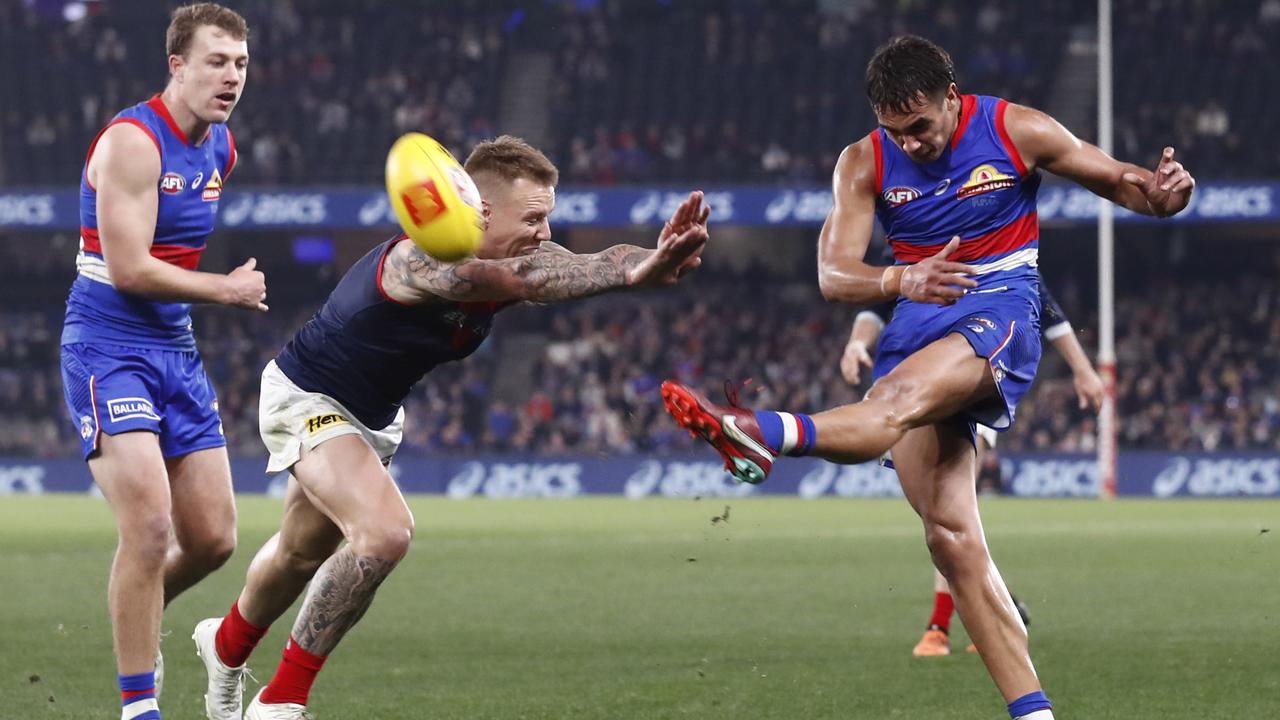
964,341
331,410
134,384
1055,328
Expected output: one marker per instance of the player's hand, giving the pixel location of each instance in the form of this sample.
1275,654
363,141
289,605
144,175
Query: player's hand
247,287
1168,190
680,246
854,359
937,280
1089,389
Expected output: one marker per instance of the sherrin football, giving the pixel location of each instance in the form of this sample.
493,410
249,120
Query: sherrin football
435,200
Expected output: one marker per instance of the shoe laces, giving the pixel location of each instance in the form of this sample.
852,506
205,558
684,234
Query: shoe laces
229,692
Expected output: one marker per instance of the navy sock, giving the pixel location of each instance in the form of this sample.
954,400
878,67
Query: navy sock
787,433
1029,703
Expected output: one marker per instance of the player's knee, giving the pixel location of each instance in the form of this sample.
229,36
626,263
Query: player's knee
217,550
387,541
904,399
953,546
145,538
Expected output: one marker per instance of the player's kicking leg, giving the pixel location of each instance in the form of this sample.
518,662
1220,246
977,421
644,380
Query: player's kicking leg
277,576
931,386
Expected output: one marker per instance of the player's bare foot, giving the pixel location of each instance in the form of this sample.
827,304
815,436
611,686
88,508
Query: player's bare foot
934,644
730,429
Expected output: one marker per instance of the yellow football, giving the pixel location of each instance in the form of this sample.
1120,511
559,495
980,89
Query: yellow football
435,200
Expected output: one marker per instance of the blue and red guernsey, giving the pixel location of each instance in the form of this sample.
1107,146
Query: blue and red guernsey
191,178
979,189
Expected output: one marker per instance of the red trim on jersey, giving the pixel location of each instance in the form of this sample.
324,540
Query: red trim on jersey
968,104
93,145
91,242
182,256
1004,240
187,258
1009,147
799,432
231,159
879,153
157,105
383,261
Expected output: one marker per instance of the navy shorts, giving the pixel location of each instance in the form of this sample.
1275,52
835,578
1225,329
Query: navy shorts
113,389
1002,326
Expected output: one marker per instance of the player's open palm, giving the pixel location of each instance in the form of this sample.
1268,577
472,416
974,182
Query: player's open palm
937,280
1168,190
248,286
680,246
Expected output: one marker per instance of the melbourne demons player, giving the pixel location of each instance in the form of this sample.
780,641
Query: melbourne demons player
953,180
138,394
331,409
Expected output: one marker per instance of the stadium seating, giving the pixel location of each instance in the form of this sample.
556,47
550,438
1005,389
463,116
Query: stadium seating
642,91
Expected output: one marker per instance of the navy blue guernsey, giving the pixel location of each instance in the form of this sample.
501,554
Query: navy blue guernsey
367,351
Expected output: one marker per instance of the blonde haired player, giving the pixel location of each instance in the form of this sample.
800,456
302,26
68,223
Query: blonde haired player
141,402
1055,328
331,409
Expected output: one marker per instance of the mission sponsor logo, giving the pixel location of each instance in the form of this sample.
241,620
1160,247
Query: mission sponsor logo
172,183
984,179
212,189
129,408
320,423
900,195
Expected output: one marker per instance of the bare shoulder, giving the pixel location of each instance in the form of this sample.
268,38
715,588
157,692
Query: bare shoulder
856,169
127,152
401,269
1038,137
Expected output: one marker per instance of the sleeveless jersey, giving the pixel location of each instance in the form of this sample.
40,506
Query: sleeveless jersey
367,351
191,178
978,189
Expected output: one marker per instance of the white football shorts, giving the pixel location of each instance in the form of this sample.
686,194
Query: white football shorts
290,418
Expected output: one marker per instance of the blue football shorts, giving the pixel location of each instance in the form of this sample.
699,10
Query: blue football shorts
1002,326
113,389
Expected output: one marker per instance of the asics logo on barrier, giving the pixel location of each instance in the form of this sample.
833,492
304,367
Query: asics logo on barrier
730,424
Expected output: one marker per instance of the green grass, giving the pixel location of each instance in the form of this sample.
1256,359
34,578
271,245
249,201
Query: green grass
607,608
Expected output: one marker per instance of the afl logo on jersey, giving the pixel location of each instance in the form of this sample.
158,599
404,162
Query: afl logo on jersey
900,195
172,183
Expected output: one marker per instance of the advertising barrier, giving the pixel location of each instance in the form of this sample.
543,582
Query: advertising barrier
352,208
1142,474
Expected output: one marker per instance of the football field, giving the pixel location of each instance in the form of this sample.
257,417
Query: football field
753,608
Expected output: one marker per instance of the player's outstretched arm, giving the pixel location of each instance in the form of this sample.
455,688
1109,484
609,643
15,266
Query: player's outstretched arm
125,169
844,275
552,274
1043,142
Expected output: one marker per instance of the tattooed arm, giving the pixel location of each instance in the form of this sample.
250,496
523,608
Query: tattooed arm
552,273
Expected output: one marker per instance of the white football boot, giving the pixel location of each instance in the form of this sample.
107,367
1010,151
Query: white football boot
259,710
159,673
225,694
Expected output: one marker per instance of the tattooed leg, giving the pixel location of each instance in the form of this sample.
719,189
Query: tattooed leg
340,593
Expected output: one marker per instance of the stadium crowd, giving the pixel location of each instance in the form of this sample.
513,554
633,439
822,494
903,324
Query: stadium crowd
353,76
1199,368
